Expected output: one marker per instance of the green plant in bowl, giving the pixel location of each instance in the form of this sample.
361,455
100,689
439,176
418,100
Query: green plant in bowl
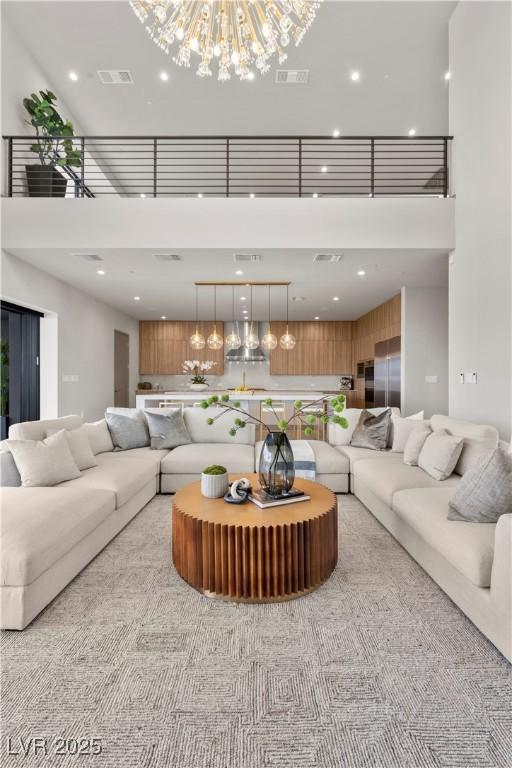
215,469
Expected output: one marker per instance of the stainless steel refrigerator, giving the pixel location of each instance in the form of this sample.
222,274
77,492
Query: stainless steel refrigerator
387,373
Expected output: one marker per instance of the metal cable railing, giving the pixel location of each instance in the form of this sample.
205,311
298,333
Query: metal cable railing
235,166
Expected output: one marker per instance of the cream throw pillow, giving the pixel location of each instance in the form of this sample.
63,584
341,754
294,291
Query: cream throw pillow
79,446
99,436
44,462
403,429
414,444
440,454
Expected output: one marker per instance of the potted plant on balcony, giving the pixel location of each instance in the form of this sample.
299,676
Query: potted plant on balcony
276,463
54,147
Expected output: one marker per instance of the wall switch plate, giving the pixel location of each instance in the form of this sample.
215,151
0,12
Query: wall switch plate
430,379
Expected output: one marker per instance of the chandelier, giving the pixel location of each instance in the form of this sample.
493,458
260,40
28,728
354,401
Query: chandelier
239,34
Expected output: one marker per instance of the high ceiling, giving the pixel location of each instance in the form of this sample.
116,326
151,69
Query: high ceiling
400,49
167,288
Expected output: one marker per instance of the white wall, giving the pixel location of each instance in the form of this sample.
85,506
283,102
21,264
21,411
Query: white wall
424,350
480,277
77,339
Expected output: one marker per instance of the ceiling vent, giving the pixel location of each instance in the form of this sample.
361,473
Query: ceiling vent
115,76
167,257
330,258
292,76
247,257
88,256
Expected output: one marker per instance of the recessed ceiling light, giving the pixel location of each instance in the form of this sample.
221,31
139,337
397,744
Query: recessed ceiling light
298,298
252,194
164,76
163,317
239,272
412,131
447,75
100,271
142,194
324,169
315,194
199,194
335,134
335,298
73,76
250,75
361,272
316,318
136,298
242,298
355,76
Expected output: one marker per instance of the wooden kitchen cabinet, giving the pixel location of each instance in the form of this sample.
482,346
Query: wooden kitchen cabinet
164,346
322,349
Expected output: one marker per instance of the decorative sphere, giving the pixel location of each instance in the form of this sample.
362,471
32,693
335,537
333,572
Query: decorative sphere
233,340
269,341
215,340
197,341
251,340
287,341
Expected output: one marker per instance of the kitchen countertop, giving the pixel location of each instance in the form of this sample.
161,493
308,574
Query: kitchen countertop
187,394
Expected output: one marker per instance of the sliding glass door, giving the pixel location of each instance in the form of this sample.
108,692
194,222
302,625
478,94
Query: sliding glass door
19,364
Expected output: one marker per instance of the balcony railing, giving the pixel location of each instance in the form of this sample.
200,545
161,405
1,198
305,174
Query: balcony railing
241,166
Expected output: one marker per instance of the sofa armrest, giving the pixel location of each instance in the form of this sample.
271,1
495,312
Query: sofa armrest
501,577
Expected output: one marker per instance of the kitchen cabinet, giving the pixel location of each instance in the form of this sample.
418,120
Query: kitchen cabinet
322,349
164,345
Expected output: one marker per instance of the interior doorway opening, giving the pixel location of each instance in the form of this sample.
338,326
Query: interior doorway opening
121,369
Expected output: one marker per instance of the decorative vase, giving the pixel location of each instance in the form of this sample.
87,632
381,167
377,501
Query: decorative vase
199,387
45,181
276,467
214,486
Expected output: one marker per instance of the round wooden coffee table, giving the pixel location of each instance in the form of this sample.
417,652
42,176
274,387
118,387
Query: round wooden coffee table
244,553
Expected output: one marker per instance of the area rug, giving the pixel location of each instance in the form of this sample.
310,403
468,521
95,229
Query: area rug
377,668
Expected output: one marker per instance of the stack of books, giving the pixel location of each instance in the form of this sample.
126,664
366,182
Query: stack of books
262,499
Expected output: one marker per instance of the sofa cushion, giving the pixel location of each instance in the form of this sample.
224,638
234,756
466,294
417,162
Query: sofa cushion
218,432
328,460
193,458
385,478
124,477
469,547
38,526
147,454
479,439
354,454
36,430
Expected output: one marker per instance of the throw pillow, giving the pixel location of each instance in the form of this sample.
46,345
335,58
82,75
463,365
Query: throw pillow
99,436
9,475
372,431
79,446
485,491
440,454
402,430
414,444
127,432
44,462
167,428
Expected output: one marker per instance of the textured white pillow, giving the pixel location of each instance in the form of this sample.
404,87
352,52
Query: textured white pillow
99,436
417,416
79,446
440,454
44,462
402,430
414,444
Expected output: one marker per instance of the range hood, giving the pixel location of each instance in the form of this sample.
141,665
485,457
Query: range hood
242,354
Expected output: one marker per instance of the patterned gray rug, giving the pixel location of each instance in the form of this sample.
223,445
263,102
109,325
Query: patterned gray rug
376,668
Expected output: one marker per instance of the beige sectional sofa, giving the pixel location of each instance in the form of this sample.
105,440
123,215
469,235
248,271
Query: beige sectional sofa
49,534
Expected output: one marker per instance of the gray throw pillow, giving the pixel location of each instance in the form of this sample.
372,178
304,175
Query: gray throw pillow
9,475
127,432
167,428
485,491
372,431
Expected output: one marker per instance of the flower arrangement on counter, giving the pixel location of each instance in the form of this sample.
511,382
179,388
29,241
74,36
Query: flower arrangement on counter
198,368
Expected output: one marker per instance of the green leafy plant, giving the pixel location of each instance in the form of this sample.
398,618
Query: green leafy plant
4,377
54,134
215,469
335,404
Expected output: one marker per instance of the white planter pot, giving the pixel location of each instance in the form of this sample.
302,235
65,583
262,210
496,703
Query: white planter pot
199,387
214,486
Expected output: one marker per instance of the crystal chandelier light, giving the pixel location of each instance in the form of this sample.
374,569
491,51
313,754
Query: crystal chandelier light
197,339
269,340
232,340
251,340
239,34
215,340
287,340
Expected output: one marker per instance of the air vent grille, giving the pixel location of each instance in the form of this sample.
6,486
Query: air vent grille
88,256
292,76
247,257
115,77
329,258
167,257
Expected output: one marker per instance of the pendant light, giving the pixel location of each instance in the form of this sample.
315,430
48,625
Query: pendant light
197,339
269,340
251,341
287,340
215,340
233,340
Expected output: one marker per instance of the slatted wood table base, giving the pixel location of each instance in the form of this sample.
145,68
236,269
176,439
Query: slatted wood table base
247,554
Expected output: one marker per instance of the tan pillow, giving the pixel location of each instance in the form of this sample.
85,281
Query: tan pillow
440,454
79,446
44,462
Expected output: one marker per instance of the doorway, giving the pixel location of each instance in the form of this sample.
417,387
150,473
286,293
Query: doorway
121,369
19,359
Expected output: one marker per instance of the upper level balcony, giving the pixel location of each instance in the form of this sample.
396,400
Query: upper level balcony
229,166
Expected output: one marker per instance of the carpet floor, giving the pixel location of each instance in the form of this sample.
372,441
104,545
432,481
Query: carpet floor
377,668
